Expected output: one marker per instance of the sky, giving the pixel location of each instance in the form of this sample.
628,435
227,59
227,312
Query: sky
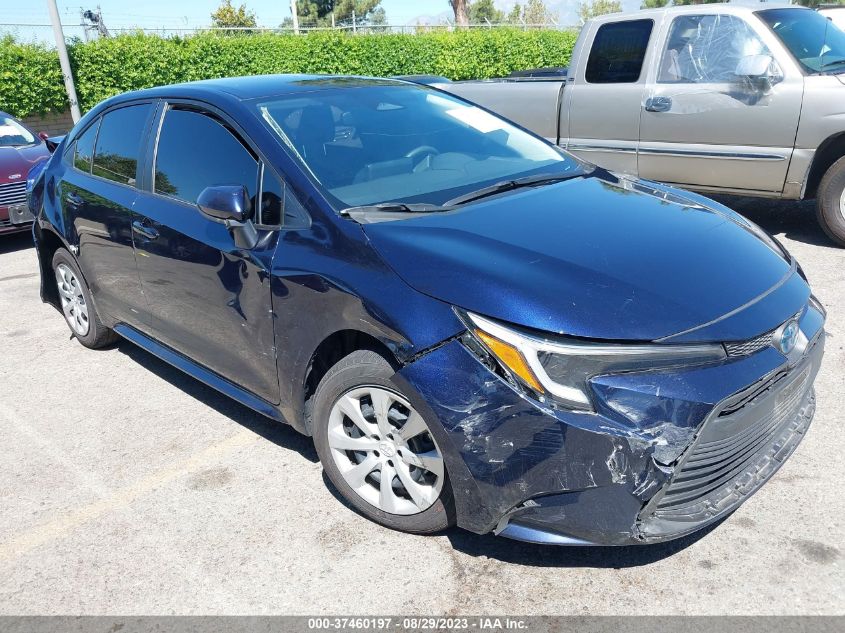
187,13
190,14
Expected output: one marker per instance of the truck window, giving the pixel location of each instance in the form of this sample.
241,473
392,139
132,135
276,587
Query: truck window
618,52
707,49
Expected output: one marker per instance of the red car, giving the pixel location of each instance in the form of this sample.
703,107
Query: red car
20,149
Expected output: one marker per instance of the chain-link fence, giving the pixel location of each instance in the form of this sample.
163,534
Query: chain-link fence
42,32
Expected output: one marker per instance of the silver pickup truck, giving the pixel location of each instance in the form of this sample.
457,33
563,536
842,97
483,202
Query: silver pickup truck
718,98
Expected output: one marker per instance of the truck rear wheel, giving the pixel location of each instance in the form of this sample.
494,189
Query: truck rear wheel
830,202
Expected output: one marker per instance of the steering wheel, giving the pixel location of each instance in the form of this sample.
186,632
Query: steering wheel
421,152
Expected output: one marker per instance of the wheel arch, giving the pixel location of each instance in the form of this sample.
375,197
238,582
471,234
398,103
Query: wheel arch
831,150
332,349
48,242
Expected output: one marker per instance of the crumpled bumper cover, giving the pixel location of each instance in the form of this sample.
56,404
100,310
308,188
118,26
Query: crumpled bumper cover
665,454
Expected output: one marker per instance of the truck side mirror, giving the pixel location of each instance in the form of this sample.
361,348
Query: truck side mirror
761,70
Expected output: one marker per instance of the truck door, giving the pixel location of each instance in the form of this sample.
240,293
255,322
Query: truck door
706,121
604,93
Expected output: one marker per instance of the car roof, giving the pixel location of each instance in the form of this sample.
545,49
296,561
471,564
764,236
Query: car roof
698,9
255,86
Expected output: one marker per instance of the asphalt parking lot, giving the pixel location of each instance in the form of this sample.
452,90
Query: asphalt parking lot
129,488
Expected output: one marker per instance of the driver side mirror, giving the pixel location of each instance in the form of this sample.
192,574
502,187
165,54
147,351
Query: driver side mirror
760,69
43,136
231,205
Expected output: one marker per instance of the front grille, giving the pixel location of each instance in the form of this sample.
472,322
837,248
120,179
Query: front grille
12,193
744,348
5,223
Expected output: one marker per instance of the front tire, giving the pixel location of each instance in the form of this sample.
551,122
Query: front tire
377,451
830,202
77,306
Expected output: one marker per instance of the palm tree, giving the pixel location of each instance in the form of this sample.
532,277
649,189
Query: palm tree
461,14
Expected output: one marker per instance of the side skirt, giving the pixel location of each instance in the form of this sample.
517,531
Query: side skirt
199,372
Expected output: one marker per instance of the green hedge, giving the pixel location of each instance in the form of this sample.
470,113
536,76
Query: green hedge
31,81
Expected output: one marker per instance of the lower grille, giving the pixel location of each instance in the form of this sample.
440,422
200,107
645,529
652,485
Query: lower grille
12,193
738,448
717,460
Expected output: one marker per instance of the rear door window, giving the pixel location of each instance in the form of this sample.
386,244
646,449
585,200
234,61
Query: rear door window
119,143
197,150
618,52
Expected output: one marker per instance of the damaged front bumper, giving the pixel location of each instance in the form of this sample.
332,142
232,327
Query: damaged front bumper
665,453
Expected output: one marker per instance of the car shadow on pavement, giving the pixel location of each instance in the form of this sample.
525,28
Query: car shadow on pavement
534,555
796,220
277,432
15,242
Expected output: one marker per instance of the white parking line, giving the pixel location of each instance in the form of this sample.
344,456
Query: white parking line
26,540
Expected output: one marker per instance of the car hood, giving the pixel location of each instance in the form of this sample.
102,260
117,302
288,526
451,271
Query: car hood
18,160
600,257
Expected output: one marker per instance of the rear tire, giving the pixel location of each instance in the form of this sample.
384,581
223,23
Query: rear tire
77,305
830,202
365,430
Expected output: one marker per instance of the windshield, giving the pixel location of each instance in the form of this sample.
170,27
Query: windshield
13,133
369,142
816,42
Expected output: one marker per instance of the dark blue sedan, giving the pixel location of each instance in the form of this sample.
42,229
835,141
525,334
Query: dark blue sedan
474,326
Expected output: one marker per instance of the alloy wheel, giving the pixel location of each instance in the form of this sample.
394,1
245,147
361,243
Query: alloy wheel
842,204
73,301
384,451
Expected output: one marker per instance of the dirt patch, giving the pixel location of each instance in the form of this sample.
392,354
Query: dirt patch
816,552
210,479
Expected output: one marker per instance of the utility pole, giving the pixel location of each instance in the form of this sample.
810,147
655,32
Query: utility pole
63,60
295,15
82,23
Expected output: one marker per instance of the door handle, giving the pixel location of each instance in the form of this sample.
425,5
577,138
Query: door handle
658,104
142,228
73,200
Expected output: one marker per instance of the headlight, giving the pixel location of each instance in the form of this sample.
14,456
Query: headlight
562,369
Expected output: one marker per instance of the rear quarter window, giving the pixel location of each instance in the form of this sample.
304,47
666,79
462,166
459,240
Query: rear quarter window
83,151
618,52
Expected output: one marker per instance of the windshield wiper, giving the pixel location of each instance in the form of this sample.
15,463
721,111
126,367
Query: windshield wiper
835,62
508,185
395,207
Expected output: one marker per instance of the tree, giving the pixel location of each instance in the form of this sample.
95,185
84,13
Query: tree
515,15
227,16
483,11
657,4
320,12
461,13
536,12
598,7
817,3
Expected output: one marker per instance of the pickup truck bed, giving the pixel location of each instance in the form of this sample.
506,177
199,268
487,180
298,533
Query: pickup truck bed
532,103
